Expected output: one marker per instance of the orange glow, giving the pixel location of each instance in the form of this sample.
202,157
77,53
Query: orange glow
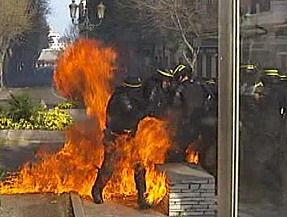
85,70
192,156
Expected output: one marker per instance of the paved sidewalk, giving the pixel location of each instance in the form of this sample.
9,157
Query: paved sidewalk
116,210
35,205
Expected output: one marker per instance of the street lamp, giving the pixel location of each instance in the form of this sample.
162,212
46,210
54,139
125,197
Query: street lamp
84,22
73,10
101,8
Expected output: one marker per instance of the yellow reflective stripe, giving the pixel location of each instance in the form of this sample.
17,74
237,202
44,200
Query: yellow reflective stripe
272,74
131,85
210,82
271,71
168,74
259,84
248,67
179,68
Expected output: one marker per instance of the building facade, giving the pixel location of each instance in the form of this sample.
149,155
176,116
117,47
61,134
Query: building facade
269,48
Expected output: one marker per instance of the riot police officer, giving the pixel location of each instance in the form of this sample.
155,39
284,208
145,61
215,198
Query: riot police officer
187,102
248,76
264,143
125,109
157,92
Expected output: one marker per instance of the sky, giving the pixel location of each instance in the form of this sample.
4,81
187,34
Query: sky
59,19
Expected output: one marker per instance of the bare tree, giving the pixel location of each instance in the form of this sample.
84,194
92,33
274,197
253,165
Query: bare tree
187,20
17,17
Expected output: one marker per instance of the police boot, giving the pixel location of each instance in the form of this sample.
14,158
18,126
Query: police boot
104,175
98,187
139,177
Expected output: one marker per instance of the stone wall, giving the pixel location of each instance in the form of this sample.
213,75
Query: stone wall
191,191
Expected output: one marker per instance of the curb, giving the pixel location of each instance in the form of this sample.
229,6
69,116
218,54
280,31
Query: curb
77,205
33,135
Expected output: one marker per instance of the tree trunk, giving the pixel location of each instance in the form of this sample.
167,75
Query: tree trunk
4,45
194,51
2,57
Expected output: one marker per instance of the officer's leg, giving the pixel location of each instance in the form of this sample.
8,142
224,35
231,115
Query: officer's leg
107,168
139,177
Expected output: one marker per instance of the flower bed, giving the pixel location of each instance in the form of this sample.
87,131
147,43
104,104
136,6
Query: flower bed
23,114
54,119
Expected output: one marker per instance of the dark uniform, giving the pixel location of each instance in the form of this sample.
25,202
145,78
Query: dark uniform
264,144
283,141
187,104
208,132
125,109
195,102
189,99
157,93
249,77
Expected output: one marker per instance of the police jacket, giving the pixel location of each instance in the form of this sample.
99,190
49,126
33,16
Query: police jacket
156,97
189,95
273,99
125,109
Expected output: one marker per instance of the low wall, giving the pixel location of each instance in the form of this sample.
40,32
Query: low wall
78,115
190,191
33,135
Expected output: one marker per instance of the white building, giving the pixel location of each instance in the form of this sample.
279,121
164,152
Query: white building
49,56
54,41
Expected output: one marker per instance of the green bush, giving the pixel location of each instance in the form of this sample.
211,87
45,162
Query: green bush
24,114
22,107
55,119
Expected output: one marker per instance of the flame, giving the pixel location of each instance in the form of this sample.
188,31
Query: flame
85,71
149,147
192,156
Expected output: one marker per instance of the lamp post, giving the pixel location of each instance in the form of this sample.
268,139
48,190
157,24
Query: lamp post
84,23
73,10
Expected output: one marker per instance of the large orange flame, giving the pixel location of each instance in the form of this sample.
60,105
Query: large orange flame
85,71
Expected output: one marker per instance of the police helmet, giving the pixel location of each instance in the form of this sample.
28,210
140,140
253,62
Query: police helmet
132,81
271,72
270,76
179,68
283,77
248,67
166,73
211,81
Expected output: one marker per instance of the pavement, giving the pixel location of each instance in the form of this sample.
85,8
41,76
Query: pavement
120,209
261,209
35,205
66,205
